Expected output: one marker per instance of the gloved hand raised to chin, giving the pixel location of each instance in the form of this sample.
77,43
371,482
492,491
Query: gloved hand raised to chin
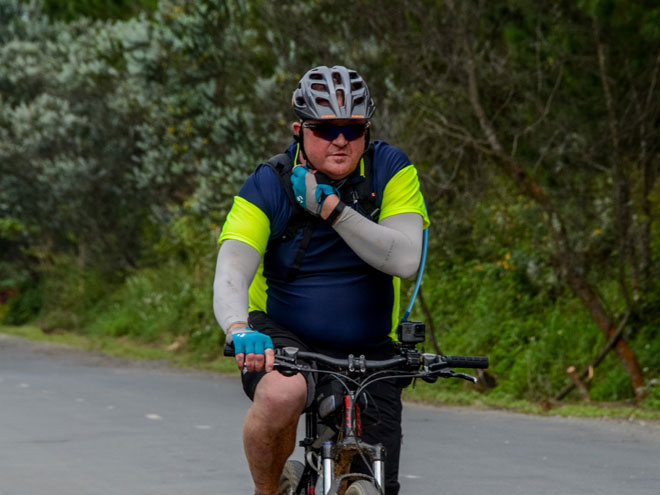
311,189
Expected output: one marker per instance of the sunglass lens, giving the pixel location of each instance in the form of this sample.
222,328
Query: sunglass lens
330,132
354,131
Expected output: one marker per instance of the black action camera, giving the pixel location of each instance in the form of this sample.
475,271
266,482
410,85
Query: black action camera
411,332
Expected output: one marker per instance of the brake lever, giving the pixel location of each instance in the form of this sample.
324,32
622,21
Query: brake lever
464,376
447,373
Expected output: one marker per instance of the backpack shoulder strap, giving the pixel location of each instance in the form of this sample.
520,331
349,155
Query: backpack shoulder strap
363,194
282,165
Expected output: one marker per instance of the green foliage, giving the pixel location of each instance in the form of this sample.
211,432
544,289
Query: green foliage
153,305
167,136
102,9
531,338
22,309
56,156
161,305
653,398
127,127
69,292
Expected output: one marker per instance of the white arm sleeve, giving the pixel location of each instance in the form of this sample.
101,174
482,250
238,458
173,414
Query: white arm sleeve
237,264
393,246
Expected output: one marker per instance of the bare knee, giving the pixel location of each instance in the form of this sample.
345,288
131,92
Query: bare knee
280,398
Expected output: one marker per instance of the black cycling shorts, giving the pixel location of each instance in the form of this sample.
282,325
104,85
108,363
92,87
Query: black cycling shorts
281,337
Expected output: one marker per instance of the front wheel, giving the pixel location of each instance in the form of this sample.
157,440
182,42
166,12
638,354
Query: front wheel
362,487
291,475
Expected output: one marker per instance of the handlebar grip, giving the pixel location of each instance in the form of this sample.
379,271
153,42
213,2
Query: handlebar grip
467,361
229,349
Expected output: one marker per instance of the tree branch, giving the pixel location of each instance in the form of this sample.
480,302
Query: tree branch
544,113
473,89
599,358
622,194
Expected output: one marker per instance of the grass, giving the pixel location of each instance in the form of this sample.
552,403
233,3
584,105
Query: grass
432,394
436,394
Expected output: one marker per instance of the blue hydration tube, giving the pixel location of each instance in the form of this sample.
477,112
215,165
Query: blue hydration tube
420,274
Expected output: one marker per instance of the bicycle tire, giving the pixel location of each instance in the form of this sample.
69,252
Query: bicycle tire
291,475
362,487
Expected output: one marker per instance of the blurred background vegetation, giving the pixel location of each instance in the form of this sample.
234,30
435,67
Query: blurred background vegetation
127,127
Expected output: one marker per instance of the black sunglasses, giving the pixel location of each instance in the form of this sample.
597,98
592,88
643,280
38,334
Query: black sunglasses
329,132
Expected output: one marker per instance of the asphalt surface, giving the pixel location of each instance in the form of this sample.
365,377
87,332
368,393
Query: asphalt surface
74,423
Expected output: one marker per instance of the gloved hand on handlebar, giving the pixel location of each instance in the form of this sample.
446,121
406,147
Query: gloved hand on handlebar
252,349
249,341
311,189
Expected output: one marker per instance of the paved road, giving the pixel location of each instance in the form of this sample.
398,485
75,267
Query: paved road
84,424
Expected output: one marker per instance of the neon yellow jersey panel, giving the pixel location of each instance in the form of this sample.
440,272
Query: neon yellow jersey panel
402,195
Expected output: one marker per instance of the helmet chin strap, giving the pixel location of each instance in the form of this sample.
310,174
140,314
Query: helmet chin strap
299,139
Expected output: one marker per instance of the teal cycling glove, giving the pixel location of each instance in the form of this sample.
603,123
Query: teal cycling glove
249,341
311,189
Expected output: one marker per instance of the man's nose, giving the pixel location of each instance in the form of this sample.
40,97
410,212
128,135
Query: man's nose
340,140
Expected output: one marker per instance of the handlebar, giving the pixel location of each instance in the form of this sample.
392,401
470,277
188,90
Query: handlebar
288,357
351,363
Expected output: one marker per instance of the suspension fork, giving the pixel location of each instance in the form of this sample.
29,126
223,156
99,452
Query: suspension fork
327,454
352,432
353,429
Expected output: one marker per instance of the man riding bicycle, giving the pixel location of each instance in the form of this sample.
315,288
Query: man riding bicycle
310,257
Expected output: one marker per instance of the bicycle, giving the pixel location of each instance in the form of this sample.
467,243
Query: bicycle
333,426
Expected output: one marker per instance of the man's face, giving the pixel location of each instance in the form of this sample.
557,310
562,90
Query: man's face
335,156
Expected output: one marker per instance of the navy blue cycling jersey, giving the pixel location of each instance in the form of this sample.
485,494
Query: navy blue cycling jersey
336,299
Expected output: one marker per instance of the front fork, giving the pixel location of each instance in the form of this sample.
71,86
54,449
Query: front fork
328,466
351,442
328,462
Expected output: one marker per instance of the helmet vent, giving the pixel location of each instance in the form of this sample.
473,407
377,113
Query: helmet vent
356,85
340,97
336,77
323,102
316,76
320,87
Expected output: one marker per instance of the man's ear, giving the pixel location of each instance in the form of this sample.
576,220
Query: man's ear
296,127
